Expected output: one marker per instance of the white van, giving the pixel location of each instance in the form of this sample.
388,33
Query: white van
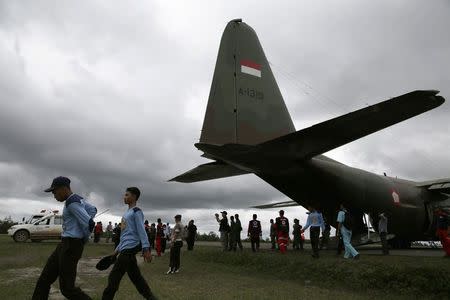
48,227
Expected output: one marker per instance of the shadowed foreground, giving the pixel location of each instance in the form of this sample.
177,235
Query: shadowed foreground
208,273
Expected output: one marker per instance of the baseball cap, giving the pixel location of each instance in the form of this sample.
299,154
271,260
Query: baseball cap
58,182
105,262
223,212
178,217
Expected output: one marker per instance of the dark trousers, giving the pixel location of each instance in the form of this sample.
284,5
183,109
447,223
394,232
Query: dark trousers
126,263
62,263
175,252
298,243
163,244
314,233
238,240
273,240
151,240
254,240
97,237
340,245
384,243
232,241
190,243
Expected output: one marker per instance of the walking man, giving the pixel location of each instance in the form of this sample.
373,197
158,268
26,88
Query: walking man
224,229
77,226
315,221
344,220
238,231
133,240
109,230
282,229
382,230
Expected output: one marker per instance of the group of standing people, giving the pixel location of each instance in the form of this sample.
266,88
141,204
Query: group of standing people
230,233
158,234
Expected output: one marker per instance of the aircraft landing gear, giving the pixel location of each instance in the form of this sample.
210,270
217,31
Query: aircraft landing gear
399,244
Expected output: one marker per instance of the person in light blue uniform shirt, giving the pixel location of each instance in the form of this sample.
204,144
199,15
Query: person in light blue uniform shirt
133,239
78,217
346,233
77,226
315,221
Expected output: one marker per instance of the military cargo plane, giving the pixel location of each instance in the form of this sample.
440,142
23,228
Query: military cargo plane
247,129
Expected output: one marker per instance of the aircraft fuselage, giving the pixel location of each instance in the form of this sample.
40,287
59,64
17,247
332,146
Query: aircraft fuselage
324,183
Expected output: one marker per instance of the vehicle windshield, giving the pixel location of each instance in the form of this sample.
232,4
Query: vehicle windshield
33,219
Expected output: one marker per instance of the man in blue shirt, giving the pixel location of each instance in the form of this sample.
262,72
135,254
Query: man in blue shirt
315,221
346,234
77,226
133,239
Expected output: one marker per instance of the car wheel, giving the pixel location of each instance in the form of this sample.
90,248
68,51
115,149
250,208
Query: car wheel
21,236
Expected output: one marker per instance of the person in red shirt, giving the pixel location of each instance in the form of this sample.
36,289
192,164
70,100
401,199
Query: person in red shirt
98,230
442,230
282,229
159,235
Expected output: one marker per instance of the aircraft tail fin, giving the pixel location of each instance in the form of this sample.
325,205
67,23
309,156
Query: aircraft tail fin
245,105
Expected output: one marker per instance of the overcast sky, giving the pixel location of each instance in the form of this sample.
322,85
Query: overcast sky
114,95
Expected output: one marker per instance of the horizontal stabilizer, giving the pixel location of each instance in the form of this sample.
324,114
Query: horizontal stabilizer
277,205
209,171
339,131
440,185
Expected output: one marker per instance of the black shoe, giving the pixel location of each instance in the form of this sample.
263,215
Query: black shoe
151,297
356,256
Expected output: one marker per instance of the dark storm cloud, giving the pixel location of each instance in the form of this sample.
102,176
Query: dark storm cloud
114,96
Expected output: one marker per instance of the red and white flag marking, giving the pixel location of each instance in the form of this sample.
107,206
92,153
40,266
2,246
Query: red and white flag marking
395,197
250,67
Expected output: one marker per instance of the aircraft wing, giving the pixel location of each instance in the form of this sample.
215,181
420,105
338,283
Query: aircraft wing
440,185
213,170
339,131
277,205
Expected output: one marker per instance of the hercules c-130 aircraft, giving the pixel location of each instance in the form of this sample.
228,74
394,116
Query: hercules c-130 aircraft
248,129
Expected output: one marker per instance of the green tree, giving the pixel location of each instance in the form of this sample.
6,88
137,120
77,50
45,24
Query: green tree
5,224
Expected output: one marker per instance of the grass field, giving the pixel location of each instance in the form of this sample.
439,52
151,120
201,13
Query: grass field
207,273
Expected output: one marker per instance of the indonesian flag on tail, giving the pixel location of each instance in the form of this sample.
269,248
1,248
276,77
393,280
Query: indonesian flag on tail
251,68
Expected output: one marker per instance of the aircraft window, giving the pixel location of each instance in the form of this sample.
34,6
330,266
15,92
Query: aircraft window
58,220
